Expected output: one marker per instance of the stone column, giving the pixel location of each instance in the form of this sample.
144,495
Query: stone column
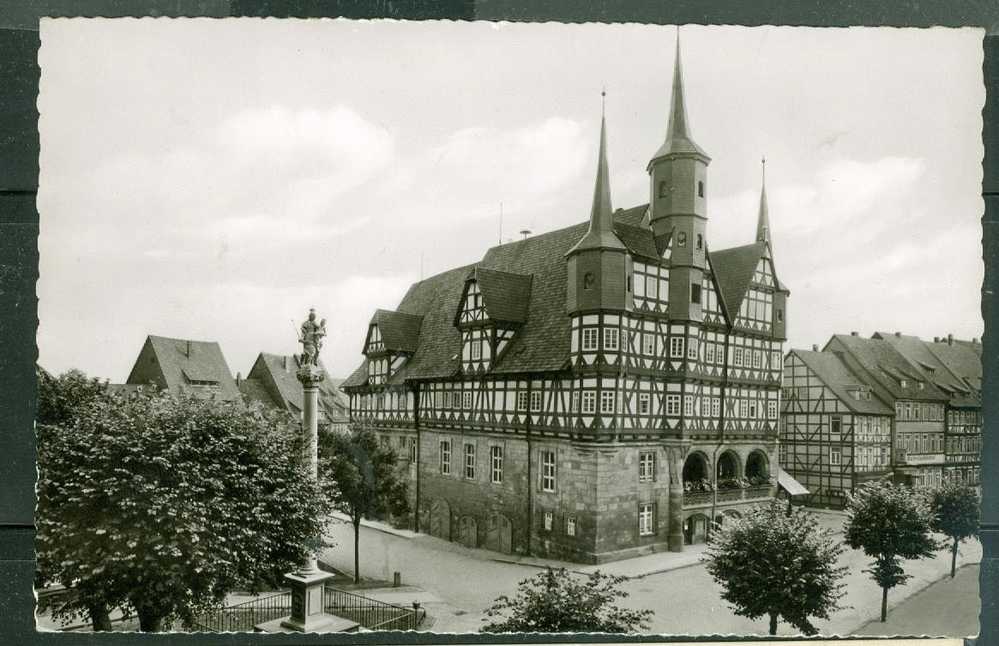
675,536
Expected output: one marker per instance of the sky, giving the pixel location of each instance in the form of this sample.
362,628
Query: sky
214,179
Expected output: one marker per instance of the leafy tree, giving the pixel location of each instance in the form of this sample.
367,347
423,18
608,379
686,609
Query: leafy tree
955,514
890,523
364,478
777,564
163,505
556,601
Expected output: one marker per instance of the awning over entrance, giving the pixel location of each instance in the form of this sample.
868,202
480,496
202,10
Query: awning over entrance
789,484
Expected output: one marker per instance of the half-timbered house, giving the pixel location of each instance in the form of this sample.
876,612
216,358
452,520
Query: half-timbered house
595,392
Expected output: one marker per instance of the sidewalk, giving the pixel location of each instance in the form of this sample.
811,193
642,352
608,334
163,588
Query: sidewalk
377,525
630,568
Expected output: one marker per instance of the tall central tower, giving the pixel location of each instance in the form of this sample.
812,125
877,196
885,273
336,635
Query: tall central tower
678,204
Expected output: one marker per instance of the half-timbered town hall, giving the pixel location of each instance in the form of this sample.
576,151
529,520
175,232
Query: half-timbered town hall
592,393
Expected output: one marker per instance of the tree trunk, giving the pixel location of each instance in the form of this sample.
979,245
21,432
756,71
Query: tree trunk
953,558
773,623
149,622
357,539
100,618
884,604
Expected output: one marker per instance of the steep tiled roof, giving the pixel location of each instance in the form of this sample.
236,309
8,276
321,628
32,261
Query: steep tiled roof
400,331
505,296
734,269
639,240
962,359
183,360
273,382
838,377
880,359
918,353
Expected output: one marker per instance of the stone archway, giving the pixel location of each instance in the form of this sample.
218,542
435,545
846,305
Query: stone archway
695,468
695,529
757,468
499,534
728,466
468,531
440,519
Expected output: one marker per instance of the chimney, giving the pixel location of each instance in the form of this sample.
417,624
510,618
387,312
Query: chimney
898,334
936,339
950,339
854,334
815,347
188,353
239,378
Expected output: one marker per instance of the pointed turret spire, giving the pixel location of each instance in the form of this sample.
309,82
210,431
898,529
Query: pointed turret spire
600,234
678,136
763,219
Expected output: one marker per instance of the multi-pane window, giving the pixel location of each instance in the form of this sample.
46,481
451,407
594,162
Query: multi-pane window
466,399
590,338
737,357
589,401
836,426
743,408
607,401
772,409
445,455
549,520
672,404
470,461
646,519
548,470
688,405
522,400
646,466
715,406
570,526
496,464
709,353
676,347
648,343
535,401
643,403
456,399
476,349
575,401
835,456
692,349
412,449
610,338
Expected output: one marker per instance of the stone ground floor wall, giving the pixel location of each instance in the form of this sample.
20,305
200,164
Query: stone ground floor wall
592,516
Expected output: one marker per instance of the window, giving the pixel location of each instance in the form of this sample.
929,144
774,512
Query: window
590,338
589,402
692,349
836,426
676,347
737,357
466,399
549,519
700,189
700,242
663,189
672,404
835,456
743,408
716,406
535,401
646,519
476,349
412,449
688,405
709,352
643,403
757,359
548,470
780,315
588,280
772,409
681,239
570,526
470,461
496,464
610,338
607,401
575,401
752,410
456,399
646,466
446,457
522,400
648,343
695,293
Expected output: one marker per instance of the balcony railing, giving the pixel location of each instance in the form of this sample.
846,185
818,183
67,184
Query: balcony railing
369,613
697,498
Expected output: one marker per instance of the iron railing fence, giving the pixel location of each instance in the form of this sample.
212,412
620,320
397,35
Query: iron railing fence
244,616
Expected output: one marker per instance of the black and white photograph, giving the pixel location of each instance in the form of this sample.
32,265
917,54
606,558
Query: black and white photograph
487,327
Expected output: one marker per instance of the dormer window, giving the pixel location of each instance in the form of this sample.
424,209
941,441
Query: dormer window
375,343
904,383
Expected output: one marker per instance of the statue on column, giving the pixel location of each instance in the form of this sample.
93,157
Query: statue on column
311,338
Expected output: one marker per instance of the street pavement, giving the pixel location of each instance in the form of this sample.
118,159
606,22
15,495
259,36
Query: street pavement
949,607
456,584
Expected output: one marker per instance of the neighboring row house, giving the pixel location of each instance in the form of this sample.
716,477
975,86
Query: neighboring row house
186,367
595,392
889,407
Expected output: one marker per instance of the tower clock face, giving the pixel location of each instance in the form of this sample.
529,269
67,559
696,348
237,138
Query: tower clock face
588,280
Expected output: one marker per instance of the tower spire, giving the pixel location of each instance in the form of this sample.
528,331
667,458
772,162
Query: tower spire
600,234
763,219
678,135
